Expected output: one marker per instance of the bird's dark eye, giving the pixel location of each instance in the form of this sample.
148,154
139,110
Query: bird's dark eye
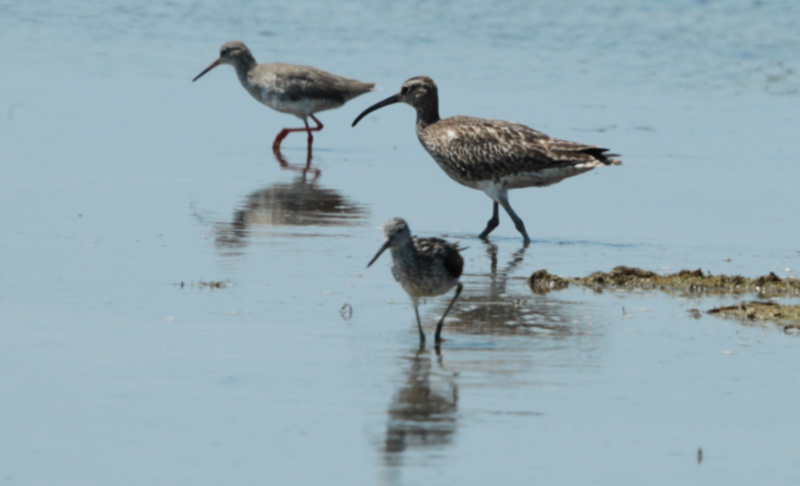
404,90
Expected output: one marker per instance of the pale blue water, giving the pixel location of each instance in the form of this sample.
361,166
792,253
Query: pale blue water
120,179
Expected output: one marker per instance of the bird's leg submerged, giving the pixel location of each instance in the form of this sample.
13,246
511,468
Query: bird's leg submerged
276,145
438,338
493,223
419,325
302,169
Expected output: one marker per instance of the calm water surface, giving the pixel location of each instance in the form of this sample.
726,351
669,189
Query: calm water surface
126,188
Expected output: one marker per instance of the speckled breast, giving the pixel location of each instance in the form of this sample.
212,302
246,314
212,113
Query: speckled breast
423,280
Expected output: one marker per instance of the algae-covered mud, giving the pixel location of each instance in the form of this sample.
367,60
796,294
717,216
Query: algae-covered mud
687,281
759,311
690,282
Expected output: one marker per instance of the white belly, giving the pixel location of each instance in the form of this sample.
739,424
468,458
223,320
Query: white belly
279,100
544,177
301,108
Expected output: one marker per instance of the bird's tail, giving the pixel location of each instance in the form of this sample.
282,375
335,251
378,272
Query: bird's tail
601,156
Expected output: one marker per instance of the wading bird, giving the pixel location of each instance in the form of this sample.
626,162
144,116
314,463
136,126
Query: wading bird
425,267
492,155
289,88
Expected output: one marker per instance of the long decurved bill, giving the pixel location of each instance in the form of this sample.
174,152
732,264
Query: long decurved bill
383,249
209,68
388,101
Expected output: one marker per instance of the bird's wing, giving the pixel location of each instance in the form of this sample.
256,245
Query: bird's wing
437,248
484,149
453,261
309,82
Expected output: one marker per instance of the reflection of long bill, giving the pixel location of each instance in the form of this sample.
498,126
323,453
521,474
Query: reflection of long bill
383,249
388,101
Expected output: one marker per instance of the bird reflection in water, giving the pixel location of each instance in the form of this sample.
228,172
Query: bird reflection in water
486,307
422,414
303,169
300,203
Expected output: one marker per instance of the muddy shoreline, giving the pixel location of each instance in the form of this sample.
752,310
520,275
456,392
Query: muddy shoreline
690,283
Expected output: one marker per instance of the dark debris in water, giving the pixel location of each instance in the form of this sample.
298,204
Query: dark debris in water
201,284
759,311
686,281
346,312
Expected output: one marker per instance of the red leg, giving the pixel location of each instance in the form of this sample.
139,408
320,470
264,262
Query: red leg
310,137
315,129
319,123
280,158
276,145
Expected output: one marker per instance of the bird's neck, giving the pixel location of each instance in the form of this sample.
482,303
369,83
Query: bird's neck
243,66
404,249
428,113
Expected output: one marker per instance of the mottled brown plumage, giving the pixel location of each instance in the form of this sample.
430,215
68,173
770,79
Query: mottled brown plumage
492,155
289,88
424,267
472,150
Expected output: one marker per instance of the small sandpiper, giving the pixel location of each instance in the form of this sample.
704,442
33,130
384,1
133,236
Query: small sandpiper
289,88
425,267
492,155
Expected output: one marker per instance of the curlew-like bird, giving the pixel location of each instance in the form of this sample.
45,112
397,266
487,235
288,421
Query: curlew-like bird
425,267
289,88
492,155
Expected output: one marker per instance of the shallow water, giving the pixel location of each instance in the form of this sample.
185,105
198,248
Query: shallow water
126,187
